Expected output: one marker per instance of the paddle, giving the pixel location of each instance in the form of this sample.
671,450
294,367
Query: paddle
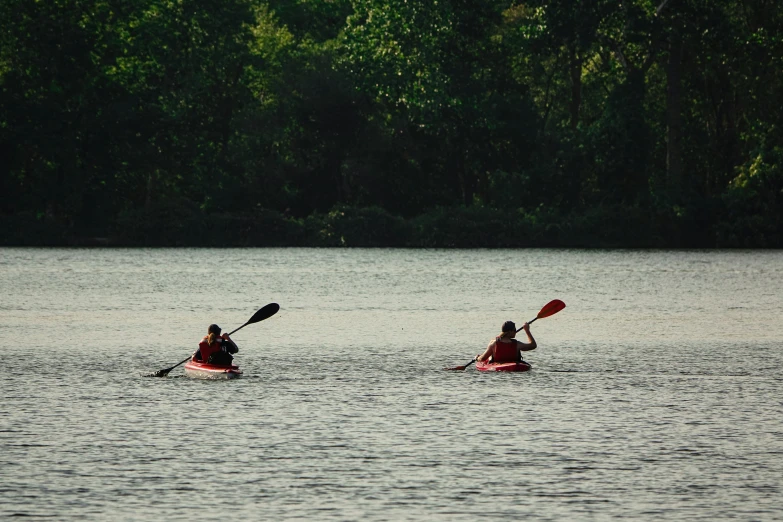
551,308
264,313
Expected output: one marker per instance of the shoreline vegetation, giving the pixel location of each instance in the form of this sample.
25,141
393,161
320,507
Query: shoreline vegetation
391,123
461,227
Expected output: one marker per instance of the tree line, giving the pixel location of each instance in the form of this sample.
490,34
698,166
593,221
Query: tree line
392,122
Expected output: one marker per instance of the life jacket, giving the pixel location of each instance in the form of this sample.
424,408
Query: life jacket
208,349
505,352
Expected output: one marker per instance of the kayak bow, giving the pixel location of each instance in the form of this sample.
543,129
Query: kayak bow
484,366
199,370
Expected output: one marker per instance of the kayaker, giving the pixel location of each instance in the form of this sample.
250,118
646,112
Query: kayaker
504,348
215,348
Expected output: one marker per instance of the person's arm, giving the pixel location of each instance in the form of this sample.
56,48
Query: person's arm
489,351
230,346
531,344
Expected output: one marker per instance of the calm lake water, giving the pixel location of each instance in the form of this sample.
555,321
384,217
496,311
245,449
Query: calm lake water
655,395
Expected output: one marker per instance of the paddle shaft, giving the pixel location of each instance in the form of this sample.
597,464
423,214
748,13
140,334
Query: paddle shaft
528,323
182,361
232,333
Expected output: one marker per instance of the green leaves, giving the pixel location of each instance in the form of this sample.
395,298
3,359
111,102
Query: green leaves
109,106
395,49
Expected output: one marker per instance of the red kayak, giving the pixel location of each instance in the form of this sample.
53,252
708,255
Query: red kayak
199,370
484,366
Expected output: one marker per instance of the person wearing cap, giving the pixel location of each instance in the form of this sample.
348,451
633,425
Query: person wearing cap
215,348
504,348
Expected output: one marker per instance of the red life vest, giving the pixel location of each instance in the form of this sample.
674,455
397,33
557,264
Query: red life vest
208,349
505,352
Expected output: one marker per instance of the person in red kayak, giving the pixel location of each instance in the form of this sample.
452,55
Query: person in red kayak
215,348
504,348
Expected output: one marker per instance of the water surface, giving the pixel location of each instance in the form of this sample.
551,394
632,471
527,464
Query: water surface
656,394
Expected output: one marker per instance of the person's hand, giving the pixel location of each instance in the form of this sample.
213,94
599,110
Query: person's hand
225,336
526,327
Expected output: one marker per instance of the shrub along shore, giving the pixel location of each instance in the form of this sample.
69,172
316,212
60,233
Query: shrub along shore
185,225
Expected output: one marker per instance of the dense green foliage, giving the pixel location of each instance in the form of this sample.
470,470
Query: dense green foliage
458,123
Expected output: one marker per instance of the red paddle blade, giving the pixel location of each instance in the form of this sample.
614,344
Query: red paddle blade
461,367
551,308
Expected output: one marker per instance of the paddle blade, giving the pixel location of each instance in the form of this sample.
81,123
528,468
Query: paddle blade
461,367
265,313
165,371
551,308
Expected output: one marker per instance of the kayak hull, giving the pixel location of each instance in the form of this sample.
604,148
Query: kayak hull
484,366
199,370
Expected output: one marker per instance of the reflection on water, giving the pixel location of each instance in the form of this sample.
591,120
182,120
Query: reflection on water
655,394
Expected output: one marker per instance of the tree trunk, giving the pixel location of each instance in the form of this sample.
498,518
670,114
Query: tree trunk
576,87
151,187
674,118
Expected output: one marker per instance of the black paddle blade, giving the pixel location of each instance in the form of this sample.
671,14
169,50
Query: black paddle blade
265,313
165,371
